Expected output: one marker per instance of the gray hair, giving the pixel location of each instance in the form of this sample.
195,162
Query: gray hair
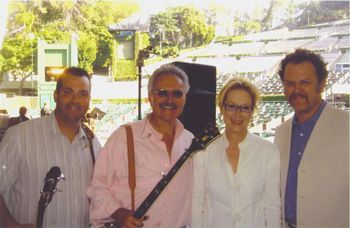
168,69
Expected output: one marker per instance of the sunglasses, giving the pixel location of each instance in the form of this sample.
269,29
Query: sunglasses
166,93
241,108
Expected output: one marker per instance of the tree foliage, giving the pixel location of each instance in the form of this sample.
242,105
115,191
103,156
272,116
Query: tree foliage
244,23
315,12
180,27
291,14
17,50
56,22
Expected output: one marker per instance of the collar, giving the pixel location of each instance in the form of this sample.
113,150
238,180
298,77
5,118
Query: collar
149,130
51,118
245,142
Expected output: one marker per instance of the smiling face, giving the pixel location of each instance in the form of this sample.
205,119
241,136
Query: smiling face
165,101
72,98
237,122
302,90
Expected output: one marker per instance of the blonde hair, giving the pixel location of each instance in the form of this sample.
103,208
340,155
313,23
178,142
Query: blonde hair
238,83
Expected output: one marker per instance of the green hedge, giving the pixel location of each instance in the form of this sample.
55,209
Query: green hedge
279,97
126,69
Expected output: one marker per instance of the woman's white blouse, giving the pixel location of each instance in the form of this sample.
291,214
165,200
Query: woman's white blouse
249,198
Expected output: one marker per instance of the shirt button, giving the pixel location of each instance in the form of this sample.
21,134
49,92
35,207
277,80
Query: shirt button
301,134
299,153
163,173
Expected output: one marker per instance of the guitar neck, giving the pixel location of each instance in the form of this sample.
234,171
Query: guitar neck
157,190
50,182
40,212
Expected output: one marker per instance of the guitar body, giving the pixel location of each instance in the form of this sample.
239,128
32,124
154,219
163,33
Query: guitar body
200,142
50,183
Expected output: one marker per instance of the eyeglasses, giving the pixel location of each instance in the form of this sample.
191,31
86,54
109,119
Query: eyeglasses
166,93
241,108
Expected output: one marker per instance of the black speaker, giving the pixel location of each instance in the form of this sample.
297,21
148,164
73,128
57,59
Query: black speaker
200,104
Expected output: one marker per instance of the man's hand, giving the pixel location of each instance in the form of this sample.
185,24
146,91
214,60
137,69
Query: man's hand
7,220
124,218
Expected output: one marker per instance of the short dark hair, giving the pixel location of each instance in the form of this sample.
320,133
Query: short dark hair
75,71
22,110
303,55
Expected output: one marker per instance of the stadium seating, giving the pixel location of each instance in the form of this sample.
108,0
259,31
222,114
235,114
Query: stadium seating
257,58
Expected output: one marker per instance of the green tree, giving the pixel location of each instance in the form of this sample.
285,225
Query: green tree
100,15
87,49
180,27
55,22
195,25
323,11
315,12
18,58
244,23
17,49
2,61
266,22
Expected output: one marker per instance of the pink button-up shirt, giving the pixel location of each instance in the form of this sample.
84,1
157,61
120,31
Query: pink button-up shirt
109,188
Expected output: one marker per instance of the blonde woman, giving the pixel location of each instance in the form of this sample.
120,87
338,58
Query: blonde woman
236,179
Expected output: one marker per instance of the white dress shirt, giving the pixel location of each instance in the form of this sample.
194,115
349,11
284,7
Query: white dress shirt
249,198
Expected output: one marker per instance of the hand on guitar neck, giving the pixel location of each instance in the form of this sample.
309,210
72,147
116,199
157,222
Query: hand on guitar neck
125,218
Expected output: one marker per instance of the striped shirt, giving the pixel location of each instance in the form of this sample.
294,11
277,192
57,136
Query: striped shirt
27,152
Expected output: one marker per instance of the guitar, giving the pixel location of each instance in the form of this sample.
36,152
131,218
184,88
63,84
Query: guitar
50,182
200,142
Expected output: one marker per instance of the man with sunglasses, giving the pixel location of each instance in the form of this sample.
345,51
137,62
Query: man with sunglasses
314,146
159,140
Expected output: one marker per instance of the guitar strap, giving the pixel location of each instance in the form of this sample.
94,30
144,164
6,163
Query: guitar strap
90,136
131,164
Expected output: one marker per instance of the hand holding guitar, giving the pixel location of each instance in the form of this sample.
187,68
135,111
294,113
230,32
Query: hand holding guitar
125,218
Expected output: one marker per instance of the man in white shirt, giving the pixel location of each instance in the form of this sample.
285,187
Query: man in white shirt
29,150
